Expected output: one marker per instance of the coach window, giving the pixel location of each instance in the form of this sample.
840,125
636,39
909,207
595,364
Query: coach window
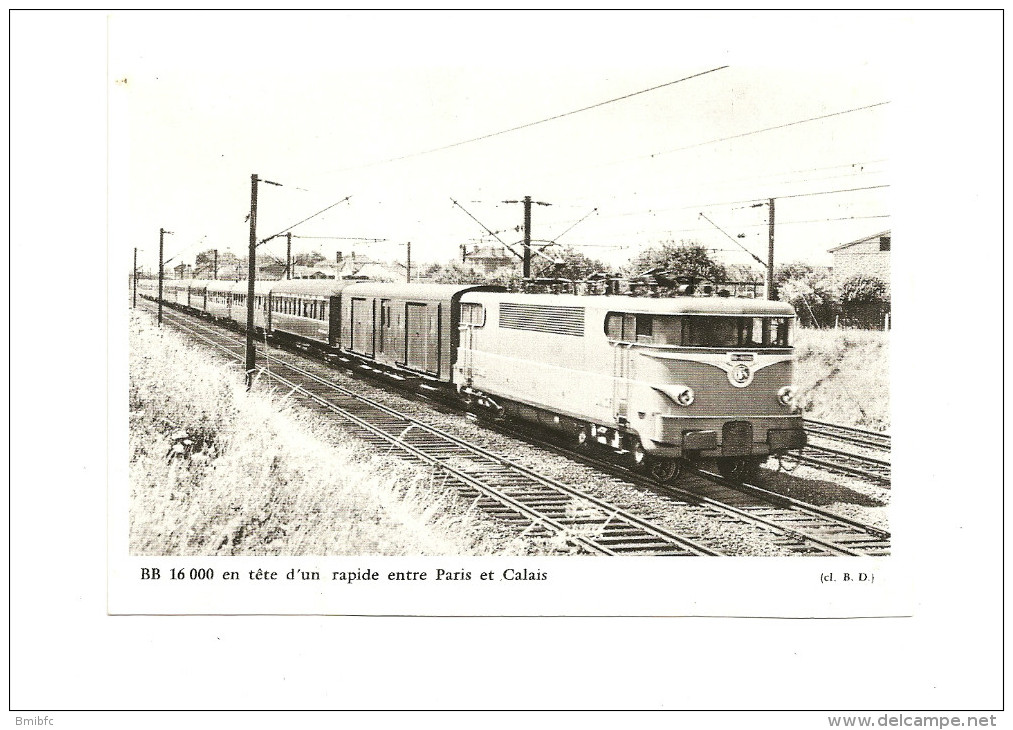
473,313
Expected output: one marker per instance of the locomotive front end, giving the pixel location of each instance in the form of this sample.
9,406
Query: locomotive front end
710,378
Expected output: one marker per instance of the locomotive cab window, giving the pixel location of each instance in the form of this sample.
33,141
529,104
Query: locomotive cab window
630,327
745,332
699,330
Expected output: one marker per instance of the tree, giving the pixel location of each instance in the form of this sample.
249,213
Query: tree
307,259
454,273
679,259
811,293
797,270
744,273
576,266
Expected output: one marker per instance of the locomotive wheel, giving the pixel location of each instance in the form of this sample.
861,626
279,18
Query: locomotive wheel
583,439
666,470
638,456
787,462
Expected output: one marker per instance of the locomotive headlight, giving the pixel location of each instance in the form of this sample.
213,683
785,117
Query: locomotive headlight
684,395
786,395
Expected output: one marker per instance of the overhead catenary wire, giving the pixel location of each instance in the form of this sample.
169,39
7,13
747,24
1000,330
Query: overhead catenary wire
540,121
717,140
554,240
652,211
289,228
761,130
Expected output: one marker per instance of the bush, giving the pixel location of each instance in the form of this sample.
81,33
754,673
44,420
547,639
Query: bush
863,289
865,301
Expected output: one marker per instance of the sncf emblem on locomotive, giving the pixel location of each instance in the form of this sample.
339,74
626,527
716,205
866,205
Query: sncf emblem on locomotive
740,374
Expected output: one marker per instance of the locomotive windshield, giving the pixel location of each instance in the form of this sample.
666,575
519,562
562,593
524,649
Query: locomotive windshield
700,330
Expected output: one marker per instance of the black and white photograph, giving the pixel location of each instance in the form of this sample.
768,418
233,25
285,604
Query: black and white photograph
509,312
487,323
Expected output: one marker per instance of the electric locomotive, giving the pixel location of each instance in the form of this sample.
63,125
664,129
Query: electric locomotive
660,381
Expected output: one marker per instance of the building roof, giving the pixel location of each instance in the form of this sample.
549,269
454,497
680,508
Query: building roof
860,240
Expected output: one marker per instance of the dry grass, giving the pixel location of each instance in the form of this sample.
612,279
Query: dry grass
256,476
844,376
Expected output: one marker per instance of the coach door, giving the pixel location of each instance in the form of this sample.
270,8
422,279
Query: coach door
362,326
423,333
384,337
621,357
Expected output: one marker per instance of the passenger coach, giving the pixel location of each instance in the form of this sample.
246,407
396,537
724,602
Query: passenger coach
411,327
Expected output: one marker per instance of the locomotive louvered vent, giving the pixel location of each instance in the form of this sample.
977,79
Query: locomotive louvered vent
542,318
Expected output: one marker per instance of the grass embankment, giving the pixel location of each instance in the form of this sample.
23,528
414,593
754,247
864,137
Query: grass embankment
260,477
843,376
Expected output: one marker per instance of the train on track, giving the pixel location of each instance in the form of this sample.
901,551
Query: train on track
658,381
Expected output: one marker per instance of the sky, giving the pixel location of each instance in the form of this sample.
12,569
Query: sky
690,114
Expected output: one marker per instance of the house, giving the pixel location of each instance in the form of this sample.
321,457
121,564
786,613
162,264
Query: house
869,256
181,271
489,258
361,266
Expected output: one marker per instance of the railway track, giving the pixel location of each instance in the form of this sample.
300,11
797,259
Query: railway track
870,462
546,507
848,434
511,492
799,527
845,462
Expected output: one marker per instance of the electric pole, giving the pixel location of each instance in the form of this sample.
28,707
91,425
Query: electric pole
288,256
771,294
135,278
527,231
216,264
161,269
408,266
251,273
251,353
